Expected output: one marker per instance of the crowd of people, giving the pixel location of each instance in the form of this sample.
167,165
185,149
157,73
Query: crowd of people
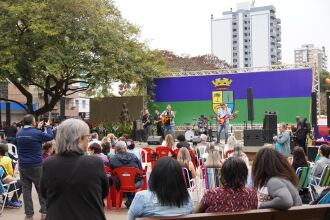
67,167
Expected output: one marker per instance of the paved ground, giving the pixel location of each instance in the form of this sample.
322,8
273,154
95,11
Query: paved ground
18,214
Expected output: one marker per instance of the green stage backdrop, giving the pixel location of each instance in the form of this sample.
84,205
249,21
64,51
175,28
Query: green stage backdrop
286,92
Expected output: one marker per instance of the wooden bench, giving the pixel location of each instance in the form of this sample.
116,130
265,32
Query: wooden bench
313,212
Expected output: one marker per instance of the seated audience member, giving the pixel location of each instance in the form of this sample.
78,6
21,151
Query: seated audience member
95,150
209,148
132,149
238,152
324,152
2,138
184,160
169,142
229,147
298,158
167,194
94,139
5,161
112,138
213,160
124,159
106,149
275,180
201,147
73,185
6,179
233,196
182,142
47,150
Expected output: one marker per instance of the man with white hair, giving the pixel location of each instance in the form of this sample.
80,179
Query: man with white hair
283,140
201,147
124,159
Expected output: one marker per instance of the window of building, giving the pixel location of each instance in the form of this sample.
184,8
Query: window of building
235,29
77,102
246,59
84,103
245,34
235,42
245,28
245,53
245,47
234,48
246,65
245,22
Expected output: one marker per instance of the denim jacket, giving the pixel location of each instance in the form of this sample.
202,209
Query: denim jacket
146,204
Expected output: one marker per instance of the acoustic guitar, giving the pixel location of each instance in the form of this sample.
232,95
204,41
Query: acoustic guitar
166,118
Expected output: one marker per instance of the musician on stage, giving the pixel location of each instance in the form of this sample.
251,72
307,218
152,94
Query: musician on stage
146,120
158,123
224,114
169,123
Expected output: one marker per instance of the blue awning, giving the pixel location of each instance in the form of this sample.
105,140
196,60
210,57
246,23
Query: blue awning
15,106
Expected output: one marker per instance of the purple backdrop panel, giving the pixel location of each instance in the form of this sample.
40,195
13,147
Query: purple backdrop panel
272,84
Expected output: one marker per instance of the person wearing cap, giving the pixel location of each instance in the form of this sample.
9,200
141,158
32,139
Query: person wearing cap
224,113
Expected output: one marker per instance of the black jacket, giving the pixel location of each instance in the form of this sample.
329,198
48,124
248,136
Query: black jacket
74,195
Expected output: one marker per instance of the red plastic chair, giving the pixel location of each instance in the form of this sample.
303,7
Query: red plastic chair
107,171
163,151
146,154
127,182
228,152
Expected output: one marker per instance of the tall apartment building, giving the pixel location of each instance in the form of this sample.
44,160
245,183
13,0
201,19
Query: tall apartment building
309,54
248,37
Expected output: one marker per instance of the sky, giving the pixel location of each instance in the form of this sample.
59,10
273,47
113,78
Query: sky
183,26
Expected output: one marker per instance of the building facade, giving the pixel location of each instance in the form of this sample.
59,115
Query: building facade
248,37
309,54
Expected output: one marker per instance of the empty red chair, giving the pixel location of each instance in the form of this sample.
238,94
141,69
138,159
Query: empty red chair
126,177
148,156
163,151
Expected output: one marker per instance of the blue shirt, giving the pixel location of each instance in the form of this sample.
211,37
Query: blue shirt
146,204
224,112
29,145
3,177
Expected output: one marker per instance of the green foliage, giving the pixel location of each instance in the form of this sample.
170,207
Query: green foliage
119,128
55,44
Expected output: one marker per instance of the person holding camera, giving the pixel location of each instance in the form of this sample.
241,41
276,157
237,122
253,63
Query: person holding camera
29,149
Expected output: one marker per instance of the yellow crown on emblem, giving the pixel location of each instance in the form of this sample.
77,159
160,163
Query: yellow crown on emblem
222,82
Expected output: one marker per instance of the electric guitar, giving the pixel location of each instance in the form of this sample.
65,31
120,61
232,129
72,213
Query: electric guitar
222,120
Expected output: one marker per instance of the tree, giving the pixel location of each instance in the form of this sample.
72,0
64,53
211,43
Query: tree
56,44
189,63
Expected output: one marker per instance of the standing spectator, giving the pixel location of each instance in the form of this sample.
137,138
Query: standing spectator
29,147
238,152
10,133
233,196
2,138
213,160
283,141
275,180
167,194
74,185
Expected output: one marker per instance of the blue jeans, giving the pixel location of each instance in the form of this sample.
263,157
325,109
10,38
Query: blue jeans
220,128
169,127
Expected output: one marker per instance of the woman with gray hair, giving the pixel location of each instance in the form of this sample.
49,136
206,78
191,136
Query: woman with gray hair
74,185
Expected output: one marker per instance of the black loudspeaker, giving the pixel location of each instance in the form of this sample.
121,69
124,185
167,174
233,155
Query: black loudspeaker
155,140
249,94
328,109
253,137
270,126
313,109
8,113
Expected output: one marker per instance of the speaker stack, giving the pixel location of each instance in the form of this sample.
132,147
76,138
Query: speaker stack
270,126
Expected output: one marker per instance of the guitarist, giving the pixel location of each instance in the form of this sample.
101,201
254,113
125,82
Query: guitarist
223,115
169,116
146,121
158,123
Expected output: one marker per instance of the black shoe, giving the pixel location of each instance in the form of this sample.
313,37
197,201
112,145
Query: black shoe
128,203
